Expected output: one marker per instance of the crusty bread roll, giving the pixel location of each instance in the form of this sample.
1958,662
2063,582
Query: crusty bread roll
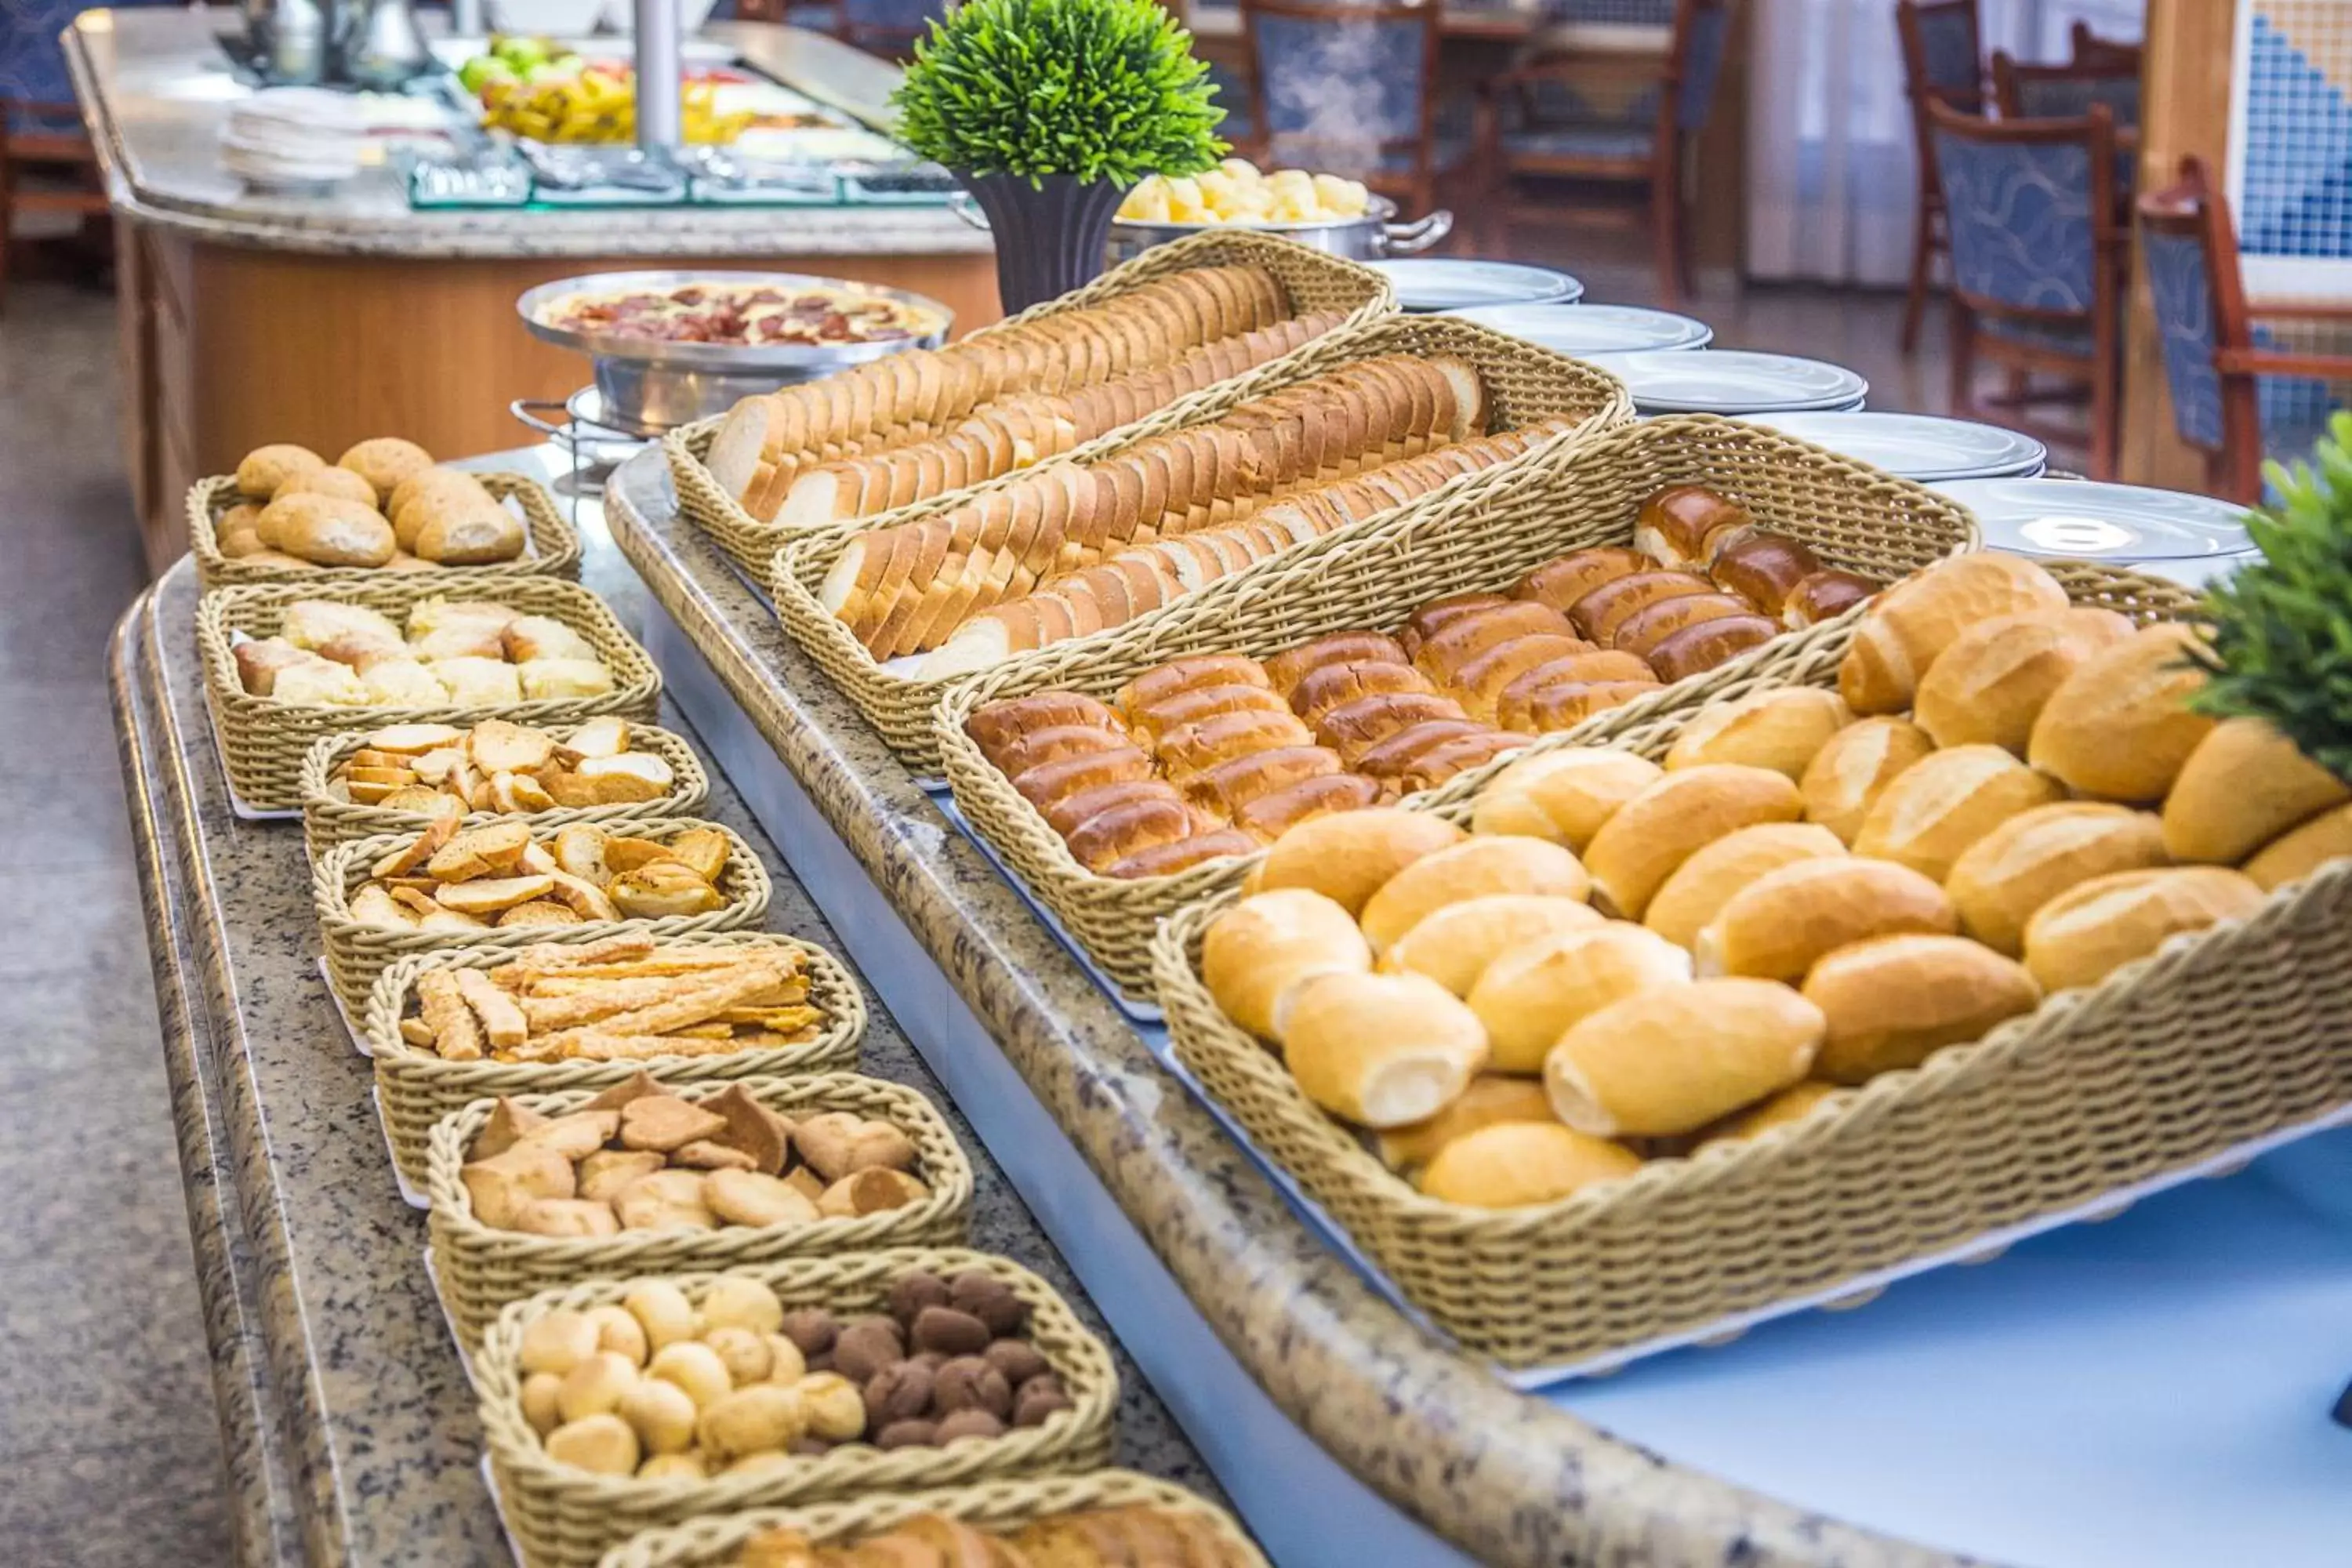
1791,1104
1454,945
2119,728
1382,1050
1781,731
1703,884
1989,685
2000,879
1780,925
1943,804
260,472
383,461
1854,768
1563,796
1511,1164
239,531
1684,526
1647,838
1918,618
1348,856
1892,1001
2244,784
1478,866
1256,952
1490,1099
430,493
477,536
1530,994
2083,935
1667,1062
326,481
327,530
2292,857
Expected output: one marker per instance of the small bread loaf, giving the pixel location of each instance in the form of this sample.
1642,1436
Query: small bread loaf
1600,614
1943,804
1647,838
1783,731
1702,885
2119,727
475,536
1349,855
1686,525
1989,685
1823,596
327,530
1764,569
1919,618
1780,925
1288,669
1254,954
327,481
1178,855
1382,1050
1791,1104
1513,1163
1669,1061
1162,681
2083,935
2243,785
996,725
1641,632
1854,768
2293,856
1327,687
1892,1001
2000,879
1444,653
1229,786
1270,816
1563,796
431,493
1454,945
260,472
1490,1099
1530,995
1478,866
1695,650
383,462
1602,669
1562,583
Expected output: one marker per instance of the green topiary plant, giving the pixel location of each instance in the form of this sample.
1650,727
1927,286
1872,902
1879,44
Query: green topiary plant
2283,625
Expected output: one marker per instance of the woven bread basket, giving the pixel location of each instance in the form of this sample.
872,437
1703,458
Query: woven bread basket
997,1506
564,1517
479,1268
328,818
263,742
1525,384
1314,280
357,952
2220,1038
1483,537
553,550
416,1089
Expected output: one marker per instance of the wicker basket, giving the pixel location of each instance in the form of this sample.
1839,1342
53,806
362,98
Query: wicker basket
1314,280
553,550
998,1506
2222,1038
357,953
263,742
562,1517
416,1089
1482,537
1527,385
329,819
480,1268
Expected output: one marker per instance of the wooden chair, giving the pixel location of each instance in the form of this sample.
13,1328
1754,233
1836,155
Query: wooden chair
2038,258
2088,49
2064,92
1352,89
1532,124
47,163
2236,396
1943,62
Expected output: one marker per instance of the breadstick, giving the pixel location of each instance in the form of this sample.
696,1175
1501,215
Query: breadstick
502,1021
455,1034
594,1044
540,957
587,1004
721,993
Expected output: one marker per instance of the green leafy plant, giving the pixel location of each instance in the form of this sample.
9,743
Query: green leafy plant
1100,89
2283,625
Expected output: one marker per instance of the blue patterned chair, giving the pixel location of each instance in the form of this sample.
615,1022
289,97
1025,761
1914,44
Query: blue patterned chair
1943,62
1352,89
888,28
2038,258
2068,92
45,161
1548,120
2237,395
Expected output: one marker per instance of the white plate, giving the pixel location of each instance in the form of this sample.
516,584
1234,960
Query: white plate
1586,330
1733,381
1448,283
2188,538
1916,446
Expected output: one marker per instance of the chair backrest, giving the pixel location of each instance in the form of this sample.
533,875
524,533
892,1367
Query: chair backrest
32,61
2188,247
1684,95
2064,92
1701,30
2090,50
1338,85
1943,52
2031,209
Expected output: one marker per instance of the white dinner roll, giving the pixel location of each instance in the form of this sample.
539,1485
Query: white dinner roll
1989,685
1780,925
1703,884
1564,795
2000,879
1646,839
1665,1062
1530,995
1893,1001
1479,865
1346,855
1256,952
1511,1164
2120,726
2083,936
1945,802
1781,731
1849,774
1908,624
1382,1050
1454,945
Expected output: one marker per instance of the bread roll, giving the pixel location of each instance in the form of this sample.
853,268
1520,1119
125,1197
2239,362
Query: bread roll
1918,618
1764,569
326,481
432,493
1989,685
383,462
1476,867
1491,1099
260,472
1454,945
1381,1051
1695,650
1439,614
1892,1001
1163,682
1256,952
475,537
1667,1062
1329,687
1854,768
1633,853
1119,831
1354,728
1780,925
1177,854
1289,668
1645,629
2244,785
1823,596
1600,614
1511,1164
1530,995
1567,704
2293,856
327,530
2000,879
1791,1104
1781,731
1943,804
1702,885
1563,796
1445,652
1048,784
1685,525
1269,816
1349,855
2119,727
1562,583
993,726
2083,935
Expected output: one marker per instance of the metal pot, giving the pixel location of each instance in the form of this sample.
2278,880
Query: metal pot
1370,238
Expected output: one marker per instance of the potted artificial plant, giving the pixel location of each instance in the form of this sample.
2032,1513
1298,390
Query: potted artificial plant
1047,111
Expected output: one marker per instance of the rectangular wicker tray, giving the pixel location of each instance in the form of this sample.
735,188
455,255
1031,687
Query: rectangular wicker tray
553,550
1483,537
1525,384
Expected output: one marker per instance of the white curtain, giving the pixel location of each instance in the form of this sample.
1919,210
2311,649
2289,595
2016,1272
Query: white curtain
1831,165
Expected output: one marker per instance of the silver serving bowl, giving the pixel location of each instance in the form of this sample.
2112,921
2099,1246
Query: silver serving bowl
1370,238
654,386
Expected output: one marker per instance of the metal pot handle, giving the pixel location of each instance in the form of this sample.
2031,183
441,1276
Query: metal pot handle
1412,238
961,204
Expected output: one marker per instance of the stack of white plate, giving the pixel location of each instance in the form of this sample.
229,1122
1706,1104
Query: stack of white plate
2191,539
294,136
1582,331
1733,381
1451,283
1917,446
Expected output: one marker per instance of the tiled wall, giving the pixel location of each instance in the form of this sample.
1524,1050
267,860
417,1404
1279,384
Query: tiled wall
2291,142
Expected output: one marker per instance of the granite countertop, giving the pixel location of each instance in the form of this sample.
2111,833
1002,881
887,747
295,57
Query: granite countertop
155,87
